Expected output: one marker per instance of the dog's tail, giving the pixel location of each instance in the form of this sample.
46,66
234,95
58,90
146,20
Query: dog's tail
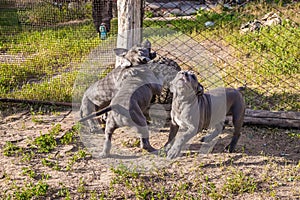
96,114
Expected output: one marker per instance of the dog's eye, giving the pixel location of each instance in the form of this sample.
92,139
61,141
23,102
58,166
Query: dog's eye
193,77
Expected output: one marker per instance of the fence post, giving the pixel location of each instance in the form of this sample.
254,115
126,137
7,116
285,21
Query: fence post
129,23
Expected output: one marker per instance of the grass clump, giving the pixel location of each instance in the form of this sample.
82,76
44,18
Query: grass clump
29,172
80,154
69,137
47,142
123,173
239,183
31,190
11,149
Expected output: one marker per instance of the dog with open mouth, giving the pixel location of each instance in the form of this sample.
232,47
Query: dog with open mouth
193,110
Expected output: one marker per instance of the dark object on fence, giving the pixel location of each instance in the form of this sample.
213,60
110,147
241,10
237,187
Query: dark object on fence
102,31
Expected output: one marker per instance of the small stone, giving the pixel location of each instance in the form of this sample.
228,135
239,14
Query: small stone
209,24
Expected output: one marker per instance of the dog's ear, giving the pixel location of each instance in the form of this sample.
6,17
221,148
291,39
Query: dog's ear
120,52
199,90
146,44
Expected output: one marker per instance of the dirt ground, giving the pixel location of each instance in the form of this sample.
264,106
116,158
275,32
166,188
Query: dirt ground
267,158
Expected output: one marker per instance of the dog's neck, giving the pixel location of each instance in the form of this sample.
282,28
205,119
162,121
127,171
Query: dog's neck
180,101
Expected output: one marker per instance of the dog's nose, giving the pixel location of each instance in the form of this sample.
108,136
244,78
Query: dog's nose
185,73
152,55
145,60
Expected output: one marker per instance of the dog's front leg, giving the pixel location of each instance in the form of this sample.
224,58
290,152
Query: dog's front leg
109,129
180,140
172,134
145,144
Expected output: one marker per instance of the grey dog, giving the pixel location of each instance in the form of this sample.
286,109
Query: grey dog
100,93
192,111
129,103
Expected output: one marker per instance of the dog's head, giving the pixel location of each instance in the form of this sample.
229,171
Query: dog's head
138,54
185,83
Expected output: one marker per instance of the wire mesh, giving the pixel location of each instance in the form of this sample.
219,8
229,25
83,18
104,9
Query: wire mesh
44,43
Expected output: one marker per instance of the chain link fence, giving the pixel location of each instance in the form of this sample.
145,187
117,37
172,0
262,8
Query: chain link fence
43,44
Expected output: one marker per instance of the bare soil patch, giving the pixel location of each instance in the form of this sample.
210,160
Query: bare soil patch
266,159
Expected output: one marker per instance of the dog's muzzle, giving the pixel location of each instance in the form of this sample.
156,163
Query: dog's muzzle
144,60
183,76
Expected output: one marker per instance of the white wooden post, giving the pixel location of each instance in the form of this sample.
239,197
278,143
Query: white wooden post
129,24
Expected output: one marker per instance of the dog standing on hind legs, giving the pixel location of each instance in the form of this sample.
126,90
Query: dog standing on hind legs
192,111
100,93
129,104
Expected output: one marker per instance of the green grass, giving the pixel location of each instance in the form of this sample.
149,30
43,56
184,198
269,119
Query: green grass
239,183
11,149
9,23
45,13
266,61
69,137
47,142
30,190
48,53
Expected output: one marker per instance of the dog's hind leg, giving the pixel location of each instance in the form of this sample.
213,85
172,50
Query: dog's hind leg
109,129
140,125
218,129
87,107
144,137
237,120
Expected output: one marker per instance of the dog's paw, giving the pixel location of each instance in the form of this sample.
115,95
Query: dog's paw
103,155
96,130
228,149
206,139
149,148
173,153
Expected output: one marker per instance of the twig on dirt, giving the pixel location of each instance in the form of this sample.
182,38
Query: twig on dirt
64,116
